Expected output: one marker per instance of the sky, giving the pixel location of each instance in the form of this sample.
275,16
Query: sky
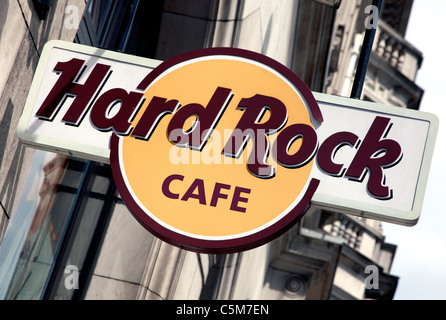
420,260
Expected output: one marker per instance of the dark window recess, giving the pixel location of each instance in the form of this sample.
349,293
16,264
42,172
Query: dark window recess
42,8
130,26
83,232
143,36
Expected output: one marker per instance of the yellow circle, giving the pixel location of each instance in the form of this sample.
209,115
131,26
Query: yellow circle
147,164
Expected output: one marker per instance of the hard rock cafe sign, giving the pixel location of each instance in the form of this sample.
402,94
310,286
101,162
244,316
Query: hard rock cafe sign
222,149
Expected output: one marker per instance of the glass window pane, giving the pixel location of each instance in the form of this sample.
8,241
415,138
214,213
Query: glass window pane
95,203
37,226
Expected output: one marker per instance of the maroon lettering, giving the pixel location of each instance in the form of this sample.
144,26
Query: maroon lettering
238,198
306,151
197,191
198,185
207,118
155,111
217,194
104,105
249,127
327,152
166,186
374,154
116,108
66,86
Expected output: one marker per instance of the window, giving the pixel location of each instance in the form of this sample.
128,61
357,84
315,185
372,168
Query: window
130,26
34,233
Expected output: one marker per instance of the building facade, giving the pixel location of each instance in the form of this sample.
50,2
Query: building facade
66,233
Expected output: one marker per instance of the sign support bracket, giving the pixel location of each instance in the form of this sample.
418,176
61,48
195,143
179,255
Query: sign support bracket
364,57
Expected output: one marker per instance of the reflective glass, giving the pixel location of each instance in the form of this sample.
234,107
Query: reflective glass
96,202
37,225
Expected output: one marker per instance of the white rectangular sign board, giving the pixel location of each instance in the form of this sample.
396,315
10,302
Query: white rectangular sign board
347,123
415,132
